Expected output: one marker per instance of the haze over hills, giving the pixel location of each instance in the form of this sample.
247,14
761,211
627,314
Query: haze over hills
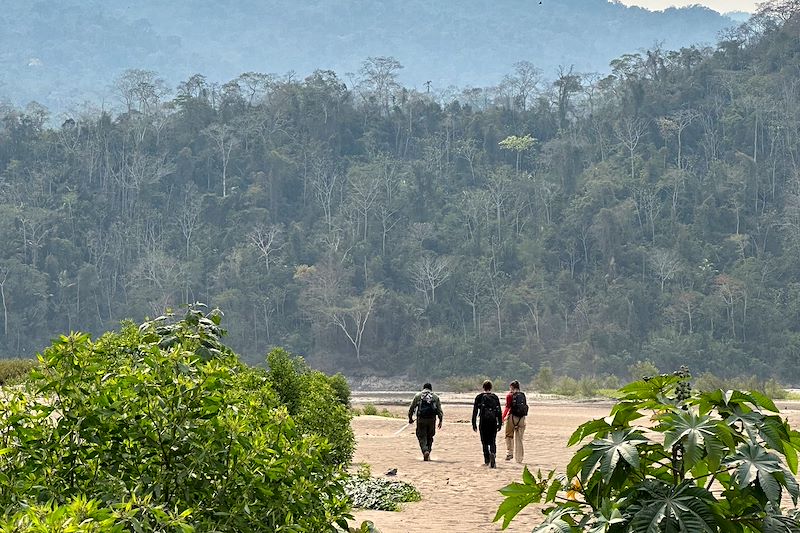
61,54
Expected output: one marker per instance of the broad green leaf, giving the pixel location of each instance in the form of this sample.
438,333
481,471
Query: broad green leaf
683,508
518,496
761,400
608,452
586,429
790,453
690,429
754,463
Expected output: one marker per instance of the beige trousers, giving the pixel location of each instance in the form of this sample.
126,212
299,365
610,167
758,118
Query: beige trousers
515,430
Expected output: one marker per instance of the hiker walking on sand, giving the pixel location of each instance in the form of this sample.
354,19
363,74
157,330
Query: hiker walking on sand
515,413
427,407
487,409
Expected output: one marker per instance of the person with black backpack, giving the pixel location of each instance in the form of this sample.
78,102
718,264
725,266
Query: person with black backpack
515,413
487,409
427,407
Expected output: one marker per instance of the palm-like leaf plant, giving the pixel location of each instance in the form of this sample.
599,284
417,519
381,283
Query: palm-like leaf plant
723,461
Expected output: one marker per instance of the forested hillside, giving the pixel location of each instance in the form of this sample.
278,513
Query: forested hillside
63,53
586,223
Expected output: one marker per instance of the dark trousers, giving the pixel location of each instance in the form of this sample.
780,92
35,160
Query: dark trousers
426,429
488,434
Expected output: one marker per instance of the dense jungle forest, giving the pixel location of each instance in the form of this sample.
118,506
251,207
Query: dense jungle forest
582,222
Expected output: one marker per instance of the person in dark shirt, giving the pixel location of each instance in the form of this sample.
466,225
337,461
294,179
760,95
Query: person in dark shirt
486,411
427,406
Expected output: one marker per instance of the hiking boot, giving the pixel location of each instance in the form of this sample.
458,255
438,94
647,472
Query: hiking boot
426,456
509,456
492,462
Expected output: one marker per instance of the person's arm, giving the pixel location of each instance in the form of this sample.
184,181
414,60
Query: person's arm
413,408
497,411
475,408
508,406
439,412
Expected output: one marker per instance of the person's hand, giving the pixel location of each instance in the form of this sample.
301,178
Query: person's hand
474,428
440,424
410,420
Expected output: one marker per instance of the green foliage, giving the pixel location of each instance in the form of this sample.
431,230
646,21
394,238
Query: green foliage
584,387
11,370
161,427
369,409
380,493
341,388
313,402
770,387
642,369
90,516
366,527
719,460
544,379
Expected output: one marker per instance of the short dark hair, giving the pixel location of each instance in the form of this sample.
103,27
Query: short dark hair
487,385
515,384
428,386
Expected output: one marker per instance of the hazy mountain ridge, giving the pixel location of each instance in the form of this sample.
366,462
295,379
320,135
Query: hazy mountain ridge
65,54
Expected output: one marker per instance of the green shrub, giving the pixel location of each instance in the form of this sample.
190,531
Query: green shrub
642,369
12,370
380,493
657,479
90,516
313,403
165,414
544,380
369,409
770,387
566,386
341,388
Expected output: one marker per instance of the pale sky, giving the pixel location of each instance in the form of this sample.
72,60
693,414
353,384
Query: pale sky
723,6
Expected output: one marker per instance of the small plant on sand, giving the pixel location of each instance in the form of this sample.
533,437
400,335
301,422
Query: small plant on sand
379,493
713,461
369,409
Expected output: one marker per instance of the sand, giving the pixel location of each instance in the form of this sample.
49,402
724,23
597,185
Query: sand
459,494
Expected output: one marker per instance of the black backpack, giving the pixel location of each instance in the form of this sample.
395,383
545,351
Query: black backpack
427,406
519,405
490,407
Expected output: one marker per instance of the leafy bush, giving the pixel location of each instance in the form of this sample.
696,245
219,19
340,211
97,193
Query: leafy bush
707,382
313,402
163,414
91,516
544,379
625,479
380,493
369,409
586,386
340,387
642,369
13,369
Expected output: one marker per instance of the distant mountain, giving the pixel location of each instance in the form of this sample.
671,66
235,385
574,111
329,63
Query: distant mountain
62,53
